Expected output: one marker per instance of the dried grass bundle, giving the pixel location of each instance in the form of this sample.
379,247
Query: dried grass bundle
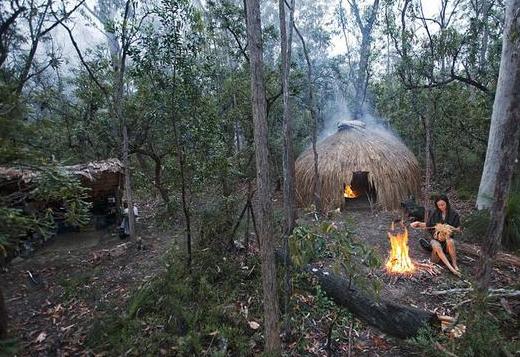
442,232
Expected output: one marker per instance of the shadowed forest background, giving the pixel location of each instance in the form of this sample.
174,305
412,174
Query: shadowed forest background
167,88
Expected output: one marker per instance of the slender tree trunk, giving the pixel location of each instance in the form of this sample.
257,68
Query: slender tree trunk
288,157
503,141
27,67
486,6
427,152
361,82
156,178
184,192
128,186
288,154
119,68
264,207
3,316
314,124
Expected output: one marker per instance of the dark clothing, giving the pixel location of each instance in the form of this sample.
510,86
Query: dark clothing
434,217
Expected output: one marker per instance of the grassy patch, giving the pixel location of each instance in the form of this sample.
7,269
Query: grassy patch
75,286
205,311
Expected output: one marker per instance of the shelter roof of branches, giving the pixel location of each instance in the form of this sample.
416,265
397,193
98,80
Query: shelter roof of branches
104,179
368,159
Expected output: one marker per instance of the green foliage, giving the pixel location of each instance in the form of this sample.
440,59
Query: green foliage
325,241
14,224
305,245
188,313
9,347
56,185
476,224
511,234
485,336
51,186
313,312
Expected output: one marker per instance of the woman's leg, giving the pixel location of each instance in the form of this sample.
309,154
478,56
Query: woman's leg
450,244
438,253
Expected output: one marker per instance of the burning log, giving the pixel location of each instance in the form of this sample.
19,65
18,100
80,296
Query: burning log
399,260
394,319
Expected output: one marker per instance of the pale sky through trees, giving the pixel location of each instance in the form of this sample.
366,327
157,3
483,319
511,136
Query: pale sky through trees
88,34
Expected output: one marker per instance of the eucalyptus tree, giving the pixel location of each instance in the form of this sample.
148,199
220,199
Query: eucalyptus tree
502,153
264,205
441,79
121,22
365,19
25,26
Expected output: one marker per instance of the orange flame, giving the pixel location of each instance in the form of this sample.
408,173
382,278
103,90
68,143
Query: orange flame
349,193
399,260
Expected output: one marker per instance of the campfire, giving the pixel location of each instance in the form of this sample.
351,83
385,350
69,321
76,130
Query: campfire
399,260
349,193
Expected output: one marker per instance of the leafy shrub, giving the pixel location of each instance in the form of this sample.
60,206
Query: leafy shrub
51,185
187,313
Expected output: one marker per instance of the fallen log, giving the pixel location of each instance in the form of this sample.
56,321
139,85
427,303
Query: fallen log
394,319
500,257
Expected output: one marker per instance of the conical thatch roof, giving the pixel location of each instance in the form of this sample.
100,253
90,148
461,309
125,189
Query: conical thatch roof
392,167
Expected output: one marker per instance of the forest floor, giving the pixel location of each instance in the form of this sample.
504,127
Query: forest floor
77,278
81,278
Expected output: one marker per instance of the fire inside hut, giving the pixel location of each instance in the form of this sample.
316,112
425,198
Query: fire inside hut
358,193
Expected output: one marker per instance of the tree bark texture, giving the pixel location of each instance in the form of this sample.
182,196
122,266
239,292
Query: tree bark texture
179,146
3,316
314,125
394,319
503,107
264,206
503,142
362,76
288,153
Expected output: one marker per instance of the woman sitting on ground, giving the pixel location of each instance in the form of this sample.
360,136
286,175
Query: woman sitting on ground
442,222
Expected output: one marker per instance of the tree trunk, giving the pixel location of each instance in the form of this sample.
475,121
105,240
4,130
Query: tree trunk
264,207
288,154
314,125
486,7
361,81
184,192
128,186
119,68
288,157
3,316
427,152
503,142
156,178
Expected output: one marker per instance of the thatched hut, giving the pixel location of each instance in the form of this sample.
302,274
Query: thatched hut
372,164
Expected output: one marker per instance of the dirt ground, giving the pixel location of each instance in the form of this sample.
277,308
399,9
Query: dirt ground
421,290
55,296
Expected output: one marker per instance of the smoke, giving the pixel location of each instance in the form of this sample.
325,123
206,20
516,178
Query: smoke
338,111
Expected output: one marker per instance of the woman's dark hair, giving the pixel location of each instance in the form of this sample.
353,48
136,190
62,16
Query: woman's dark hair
442,197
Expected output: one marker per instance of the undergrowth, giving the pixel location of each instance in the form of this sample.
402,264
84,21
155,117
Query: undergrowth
476,224
488,333
207,311
318,325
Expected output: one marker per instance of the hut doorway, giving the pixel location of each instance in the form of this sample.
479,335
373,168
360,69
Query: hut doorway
359,193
